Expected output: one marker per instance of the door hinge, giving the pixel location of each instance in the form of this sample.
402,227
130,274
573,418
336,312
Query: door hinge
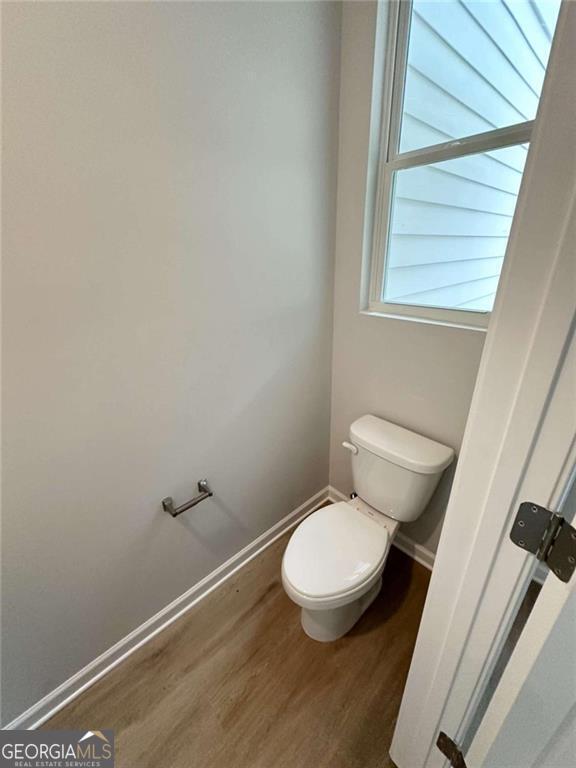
451,750
548,536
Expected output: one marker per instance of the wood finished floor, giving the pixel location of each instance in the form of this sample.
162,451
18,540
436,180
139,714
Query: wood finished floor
236,683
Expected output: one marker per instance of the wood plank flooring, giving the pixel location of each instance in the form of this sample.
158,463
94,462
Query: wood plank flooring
236,683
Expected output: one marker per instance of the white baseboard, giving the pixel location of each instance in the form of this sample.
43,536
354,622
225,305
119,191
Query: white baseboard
335,495
78,683
402,542
44,709
417,552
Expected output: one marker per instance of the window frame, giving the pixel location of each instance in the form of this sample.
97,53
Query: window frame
390,160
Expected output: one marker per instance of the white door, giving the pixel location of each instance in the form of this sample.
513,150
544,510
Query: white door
531,718
519,445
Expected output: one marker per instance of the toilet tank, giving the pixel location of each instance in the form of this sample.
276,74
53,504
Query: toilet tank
395,470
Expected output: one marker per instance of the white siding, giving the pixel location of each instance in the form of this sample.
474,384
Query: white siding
472,67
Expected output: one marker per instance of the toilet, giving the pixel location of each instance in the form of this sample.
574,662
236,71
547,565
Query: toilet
332,566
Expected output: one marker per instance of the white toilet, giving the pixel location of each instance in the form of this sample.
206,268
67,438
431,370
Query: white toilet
333,564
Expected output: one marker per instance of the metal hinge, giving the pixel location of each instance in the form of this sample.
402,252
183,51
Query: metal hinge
451,750
548,536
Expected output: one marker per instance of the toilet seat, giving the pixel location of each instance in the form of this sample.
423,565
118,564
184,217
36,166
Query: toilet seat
334,556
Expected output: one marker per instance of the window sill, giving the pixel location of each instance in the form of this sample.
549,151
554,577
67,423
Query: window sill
425,320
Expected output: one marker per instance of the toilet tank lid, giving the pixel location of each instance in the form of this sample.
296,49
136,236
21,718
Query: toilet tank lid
400,446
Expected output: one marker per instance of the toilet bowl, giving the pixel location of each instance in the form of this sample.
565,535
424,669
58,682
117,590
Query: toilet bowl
332,566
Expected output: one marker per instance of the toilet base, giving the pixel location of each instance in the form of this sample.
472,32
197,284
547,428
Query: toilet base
332,623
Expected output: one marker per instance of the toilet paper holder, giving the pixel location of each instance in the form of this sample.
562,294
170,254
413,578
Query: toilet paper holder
204,492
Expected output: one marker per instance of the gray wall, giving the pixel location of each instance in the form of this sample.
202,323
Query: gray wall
415,374
169,176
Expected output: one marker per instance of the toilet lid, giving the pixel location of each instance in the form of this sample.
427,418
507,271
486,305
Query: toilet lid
334,550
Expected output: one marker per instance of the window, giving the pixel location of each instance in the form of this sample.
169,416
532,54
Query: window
463,80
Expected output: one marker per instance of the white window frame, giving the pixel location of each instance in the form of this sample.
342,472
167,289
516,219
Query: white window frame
399,13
